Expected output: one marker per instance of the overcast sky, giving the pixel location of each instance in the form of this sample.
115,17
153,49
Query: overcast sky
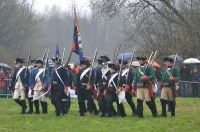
65,5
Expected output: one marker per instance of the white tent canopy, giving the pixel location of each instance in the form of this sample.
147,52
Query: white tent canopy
191,61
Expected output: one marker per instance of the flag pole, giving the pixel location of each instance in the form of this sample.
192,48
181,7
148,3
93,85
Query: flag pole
70,55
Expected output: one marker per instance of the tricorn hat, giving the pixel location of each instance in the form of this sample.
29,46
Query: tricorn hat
33,60
39,61
170,59
112,65
20,60
103,59
85,61
142,57
56,59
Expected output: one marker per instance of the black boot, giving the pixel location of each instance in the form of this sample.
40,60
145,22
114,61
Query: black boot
109,109
58,108
152,108
163,104
82,108
30,105
18,102
23,107
140,108
172,104
44,107
122,111
114,112
36,103
169,106
96,112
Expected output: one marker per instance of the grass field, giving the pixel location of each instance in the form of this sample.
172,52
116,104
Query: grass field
187,119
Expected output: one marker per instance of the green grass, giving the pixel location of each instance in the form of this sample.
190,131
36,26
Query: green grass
187,119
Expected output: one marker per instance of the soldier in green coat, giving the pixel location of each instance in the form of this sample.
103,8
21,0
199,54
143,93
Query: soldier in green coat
170,75
142,82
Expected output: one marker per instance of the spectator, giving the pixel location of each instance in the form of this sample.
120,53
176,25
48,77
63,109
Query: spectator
195,74
184,74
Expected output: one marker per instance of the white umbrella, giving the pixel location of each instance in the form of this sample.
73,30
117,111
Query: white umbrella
191,61
135,63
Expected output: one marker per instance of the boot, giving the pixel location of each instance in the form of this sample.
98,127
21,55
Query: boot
114,112
109,109
172,104
36,103
96,112
18,102
23,107
30,105
169,106
57,108
163,104
140,108
122,111
152,108
44,107
82,108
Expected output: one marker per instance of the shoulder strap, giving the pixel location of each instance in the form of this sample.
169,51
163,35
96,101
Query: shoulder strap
104,73
18,73
59,77
38,74
125,71
85,72
111,80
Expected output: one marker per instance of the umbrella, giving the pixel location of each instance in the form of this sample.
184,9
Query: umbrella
155,64
198,57
191,61
5,65
135,63
126,56
178,58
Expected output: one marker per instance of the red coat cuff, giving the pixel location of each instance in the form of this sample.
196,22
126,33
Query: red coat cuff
174,79
146,78
134,88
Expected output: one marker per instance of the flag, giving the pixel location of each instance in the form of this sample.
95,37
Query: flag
77,44
57,51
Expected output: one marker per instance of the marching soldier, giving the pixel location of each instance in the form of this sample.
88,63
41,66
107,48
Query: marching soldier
59,85
170,75
101,78
20,83
39,80
127,85
142,81
84,89
111,92
30,92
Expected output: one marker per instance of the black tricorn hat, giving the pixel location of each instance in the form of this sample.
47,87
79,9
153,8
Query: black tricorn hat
33,60
20,60
85,61
170,59
103,59
112,65
142,57
39,61
56,59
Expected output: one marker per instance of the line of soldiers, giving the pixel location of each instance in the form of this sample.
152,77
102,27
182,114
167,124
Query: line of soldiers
102,84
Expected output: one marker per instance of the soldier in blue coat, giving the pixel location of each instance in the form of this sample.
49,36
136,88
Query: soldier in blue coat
102,74
59,85
84,88
20,83
111,92
39,80
127,85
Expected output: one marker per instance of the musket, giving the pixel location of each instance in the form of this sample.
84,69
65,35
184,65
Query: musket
120,71
70,55
94,58
129,67
44,55
46,66
117,53
62,60
29,57
148,62
151,62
